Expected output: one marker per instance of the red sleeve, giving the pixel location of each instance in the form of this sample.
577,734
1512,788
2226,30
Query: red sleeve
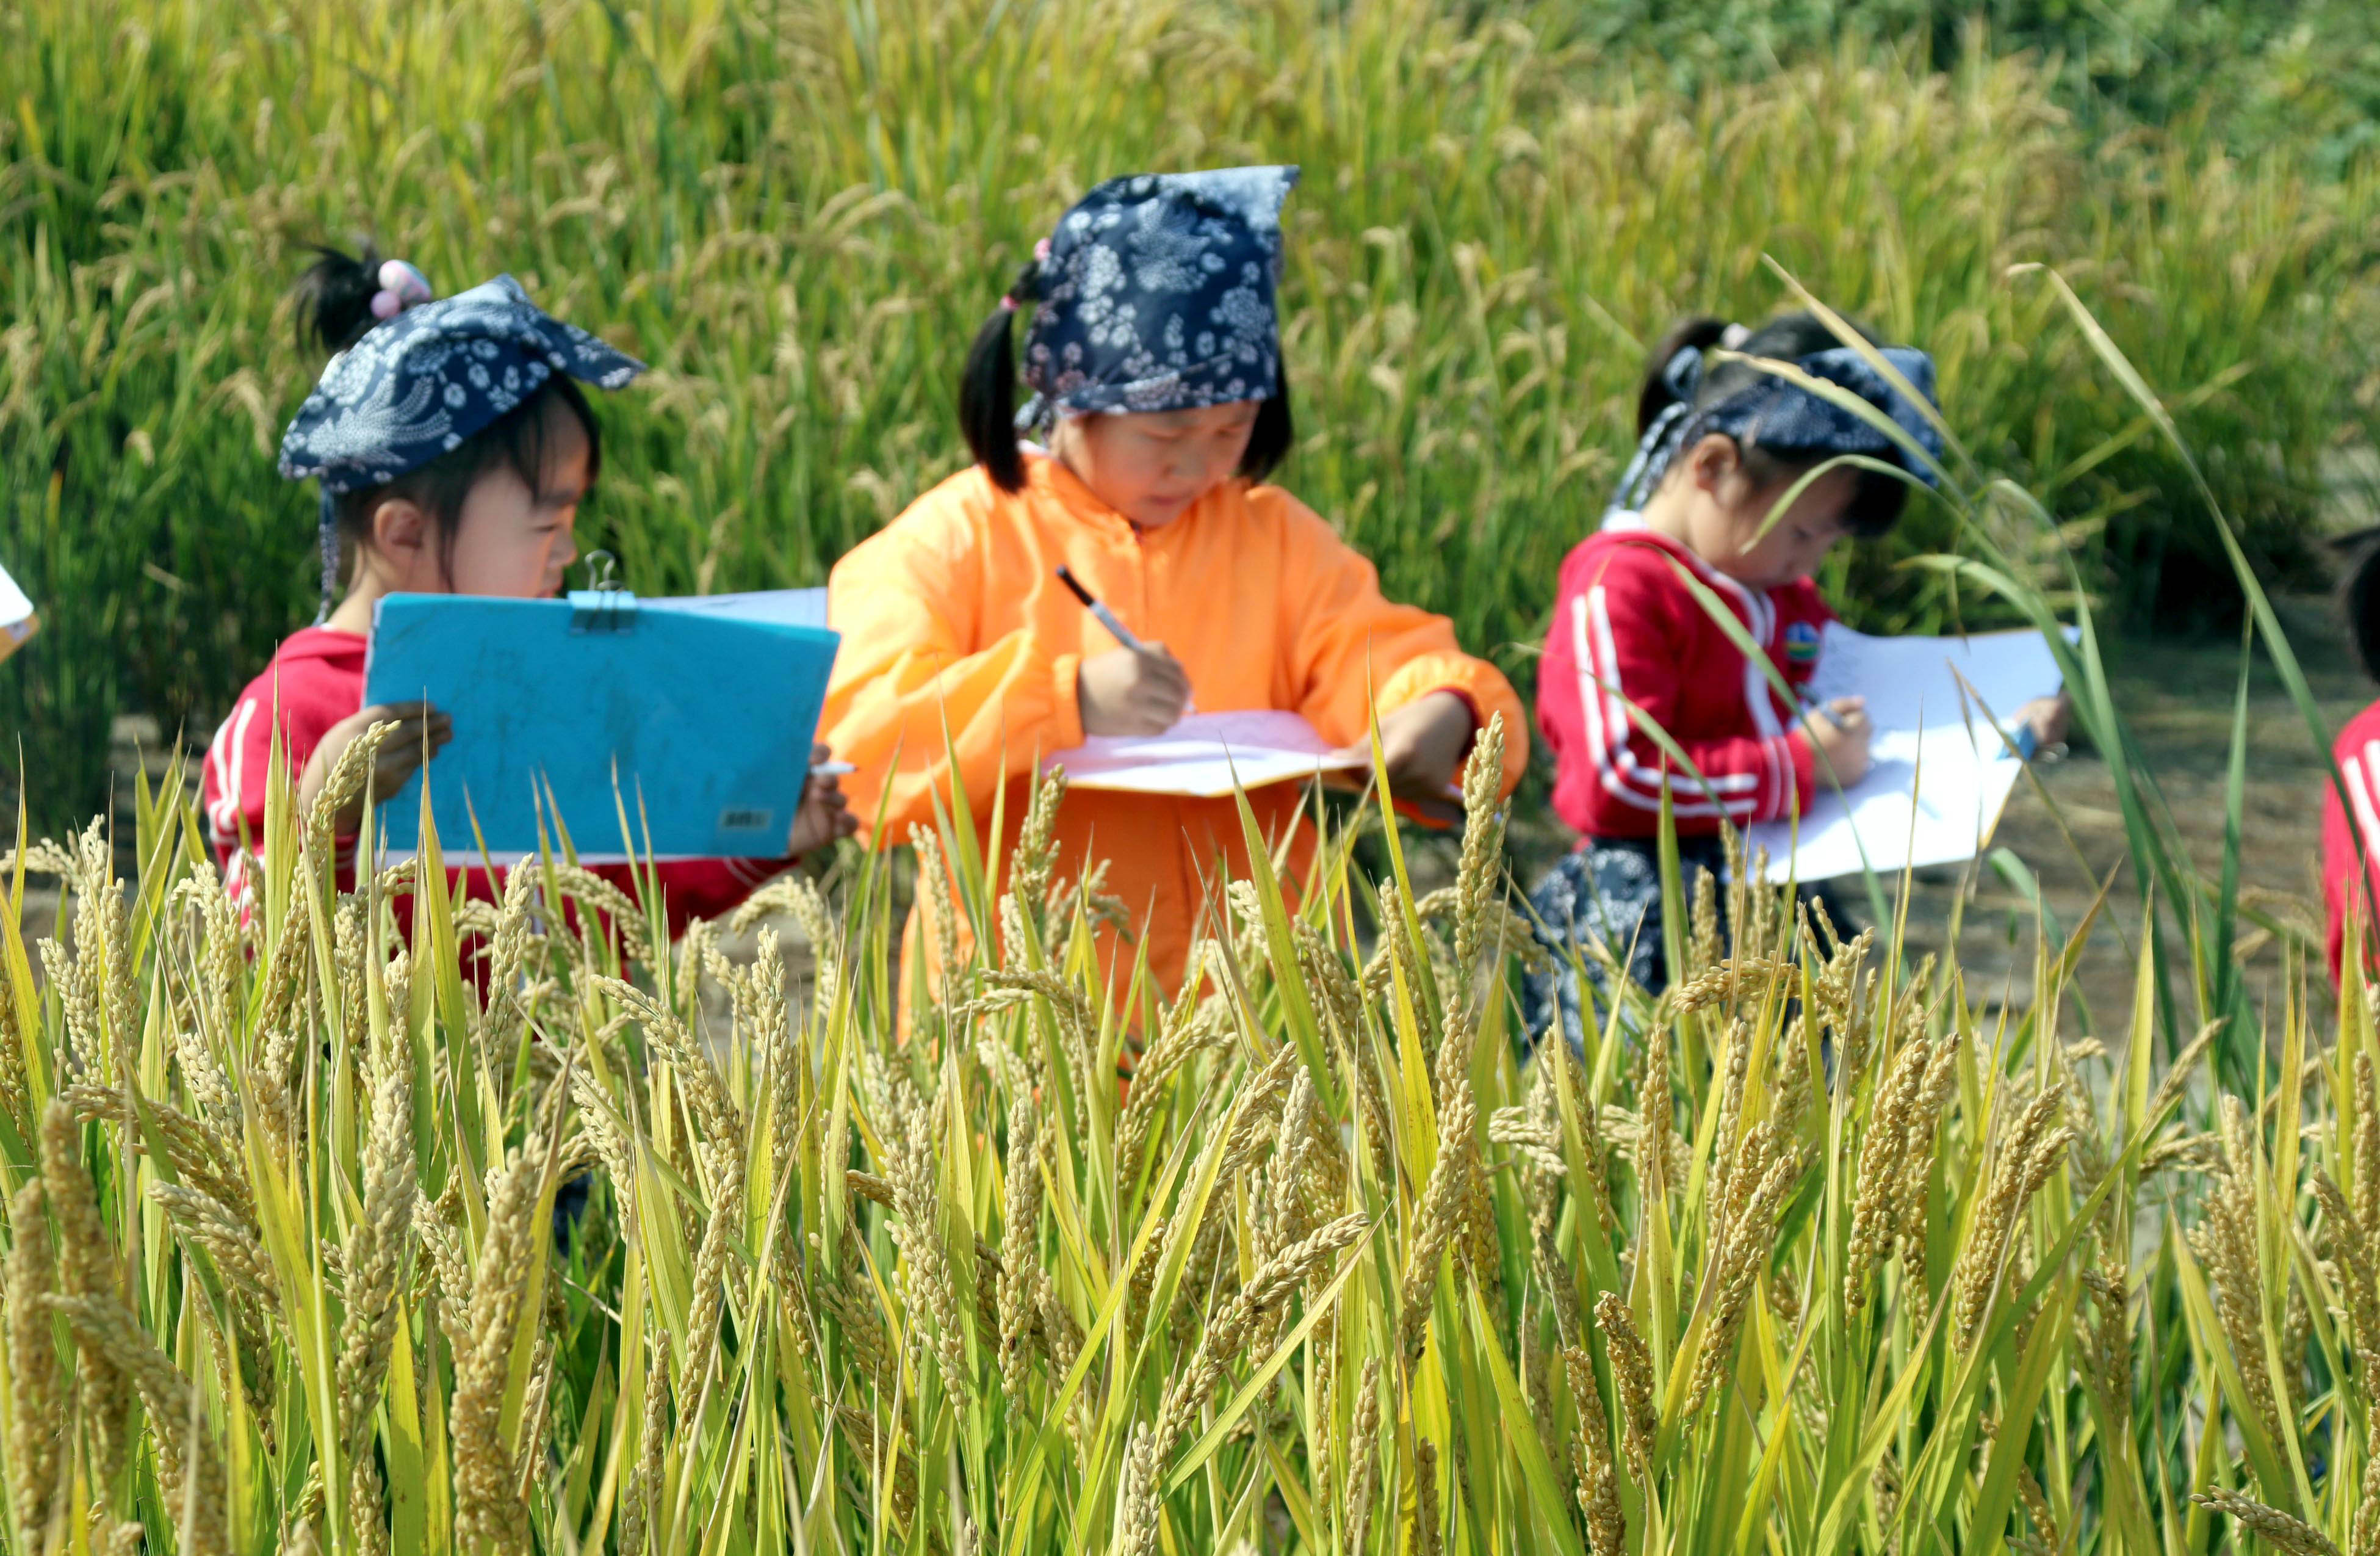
2350,883
1625,631
299,699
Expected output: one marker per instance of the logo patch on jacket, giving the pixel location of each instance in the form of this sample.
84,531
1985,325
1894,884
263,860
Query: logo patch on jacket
1800,643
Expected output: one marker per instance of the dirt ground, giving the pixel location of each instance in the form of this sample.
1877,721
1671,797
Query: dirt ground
2177,696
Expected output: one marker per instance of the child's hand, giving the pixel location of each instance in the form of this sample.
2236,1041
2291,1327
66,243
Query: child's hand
1423,743
1841,741
2049,718
825,816
1132,691
422,733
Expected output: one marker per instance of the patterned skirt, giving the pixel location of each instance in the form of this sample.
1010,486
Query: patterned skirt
1608,892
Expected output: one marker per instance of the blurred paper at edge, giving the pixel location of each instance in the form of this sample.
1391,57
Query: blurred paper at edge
17,620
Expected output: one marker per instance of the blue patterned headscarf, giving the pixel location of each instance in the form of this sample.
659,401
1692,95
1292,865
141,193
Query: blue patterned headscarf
1783,418
420,385
1156,293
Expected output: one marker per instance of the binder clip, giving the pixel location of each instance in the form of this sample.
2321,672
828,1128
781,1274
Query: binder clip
605,605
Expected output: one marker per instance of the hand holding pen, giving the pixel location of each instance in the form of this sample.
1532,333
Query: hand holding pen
1839,730
1138,688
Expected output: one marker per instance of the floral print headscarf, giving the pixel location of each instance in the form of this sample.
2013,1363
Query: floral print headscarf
1156,293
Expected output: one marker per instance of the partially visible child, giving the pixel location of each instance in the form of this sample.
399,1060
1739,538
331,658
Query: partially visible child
453,446
2350,832
1153,351
1632,647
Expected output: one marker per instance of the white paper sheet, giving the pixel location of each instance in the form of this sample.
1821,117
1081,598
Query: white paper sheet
1202,755
1939,774
17,618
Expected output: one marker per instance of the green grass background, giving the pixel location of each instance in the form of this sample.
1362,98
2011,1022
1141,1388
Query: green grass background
798,212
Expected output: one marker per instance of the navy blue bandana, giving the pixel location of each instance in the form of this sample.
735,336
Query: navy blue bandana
421,383
1785,418
1156,294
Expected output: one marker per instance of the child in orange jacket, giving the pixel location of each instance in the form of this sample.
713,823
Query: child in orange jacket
1154,355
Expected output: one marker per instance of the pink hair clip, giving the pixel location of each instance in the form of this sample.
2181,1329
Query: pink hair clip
401,287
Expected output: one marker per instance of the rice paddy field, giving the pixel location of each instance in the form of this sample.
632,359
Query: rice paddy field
380,1221
799,211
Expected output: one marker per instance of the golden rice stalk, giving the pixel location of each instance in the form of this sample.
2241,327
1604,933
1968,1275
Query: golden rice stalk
1921,1136
38,1380
485,1508
201,1156
1977,1272
906,1129
1272,1284
1704,945
1748,1248
1020,1247
644,1488
1632,1374
345,782
87,1266
605,904
2226,1241
2269,1524
202,1221
2036,1507
1426,1526
1438,1215
375,1256
1363,1484
714,1108
1655,1117
288,975
2364,1538
2367,1157
1140,1505
1877,1190
941,911
1598,1483
188,1467
1036,855
2349,1246
508,947
1482,848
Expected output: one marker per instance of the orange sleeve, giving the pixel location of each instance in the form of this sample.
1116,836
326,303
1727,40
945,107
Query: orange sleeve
913,691
1347,636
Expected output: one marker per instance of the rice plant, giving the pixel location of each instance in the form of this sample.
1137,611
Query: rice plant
1814,1252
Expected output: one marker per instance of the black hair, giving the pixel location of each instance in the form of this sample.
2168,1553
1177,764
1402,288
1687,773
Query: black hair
334,300
1877,498
987,399
2359,596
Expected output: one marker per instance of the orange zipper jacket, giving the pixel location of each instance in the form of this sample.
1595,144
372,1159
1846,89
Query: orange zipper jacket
960,645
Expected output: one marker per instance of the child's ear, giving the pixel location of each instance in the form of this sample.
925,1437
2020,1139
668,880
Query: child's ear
401,532
1713,461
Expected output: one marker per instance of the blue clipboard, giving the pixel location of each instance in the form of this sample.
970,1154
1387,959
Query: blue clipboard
697,725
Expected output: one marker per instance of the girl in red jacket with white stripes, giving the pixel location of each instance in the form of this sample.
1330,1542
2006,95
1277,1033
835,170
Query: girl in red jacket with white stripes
1697,525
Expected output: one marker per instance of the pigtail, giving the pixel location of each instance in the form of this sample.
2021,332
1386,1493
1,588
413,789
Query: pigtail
1269,444
1653,392
2359,596
334,299
988,388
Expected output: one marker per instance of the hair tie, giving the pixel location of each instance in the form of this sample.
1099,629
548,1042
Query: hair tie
1007,303
1732,337
401,287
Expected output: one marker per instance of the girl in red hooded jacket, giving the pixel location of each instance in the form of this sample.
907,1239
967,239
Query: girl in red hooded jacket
1696,526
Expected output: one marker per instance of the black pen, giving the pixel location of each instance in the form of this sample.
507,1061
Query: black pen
1105,618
